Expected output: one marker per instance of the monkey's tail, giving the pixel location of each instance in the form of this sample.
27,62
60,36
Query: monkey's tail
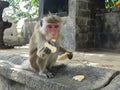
14,65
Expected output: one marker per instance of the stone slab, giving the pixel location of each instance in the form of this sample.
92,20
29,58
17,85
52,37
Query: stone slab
114,85
95,78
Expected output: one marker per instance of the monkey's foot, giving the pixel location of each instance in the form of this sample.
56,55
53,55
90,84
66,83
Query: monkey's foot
47,74
50,75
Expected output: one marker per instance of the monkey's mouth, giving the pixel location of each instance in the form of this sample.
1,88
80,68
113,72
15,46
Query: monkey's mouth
54,37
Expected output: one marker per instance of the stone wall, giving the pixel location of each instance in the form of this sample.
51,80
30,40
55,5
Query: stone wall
11,35
85,25
108,29
20,34
83,29
78,31
96,28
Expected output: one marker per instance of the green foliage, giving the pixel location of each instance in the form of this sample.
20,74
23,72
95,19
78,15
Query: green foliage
34,2
110,3
22,9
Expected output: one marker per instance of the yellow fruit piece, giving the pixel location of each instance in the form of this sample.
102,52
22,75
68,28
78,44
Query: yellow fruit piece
52,48
54,40
79,77
63,56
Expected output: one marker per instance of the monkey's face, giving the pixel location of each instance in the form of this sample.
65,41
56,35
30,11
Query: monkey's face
52,30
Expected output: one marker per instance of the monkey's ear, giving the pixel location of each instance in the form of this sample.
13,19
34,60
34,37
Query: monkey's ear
64,20
49,13
41,23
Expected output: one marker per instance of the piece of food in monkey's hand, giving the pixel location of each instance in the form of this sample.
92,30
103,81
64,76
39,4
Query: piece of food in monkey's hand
79,77
63,56
52,42
52,48
70,55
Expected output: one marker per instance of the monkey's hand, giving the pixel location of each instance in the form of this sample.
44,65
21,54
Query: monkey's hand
52,42
70,55
43,53
50,47
66,55
47,50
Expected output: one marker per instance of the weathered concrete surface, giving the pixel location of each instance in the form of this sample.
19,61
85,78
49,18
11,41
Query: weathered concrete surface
114,85
92,58
16,79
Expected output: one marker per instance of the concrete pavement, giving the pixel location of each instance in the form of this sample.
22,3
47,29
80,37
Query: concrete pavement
83,63
92,58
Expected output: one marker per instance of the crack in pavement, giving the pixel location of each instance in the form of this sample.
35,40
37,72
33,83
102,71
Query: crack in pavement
109,81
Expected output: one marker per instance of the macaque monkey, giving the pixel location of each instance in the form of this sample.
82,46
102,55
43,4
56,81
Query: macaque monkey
45,46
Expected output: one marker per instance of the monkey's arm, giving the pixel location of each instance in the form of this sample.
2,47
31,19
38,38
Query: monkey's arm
43,53
49,47
36,45
45,49
65,53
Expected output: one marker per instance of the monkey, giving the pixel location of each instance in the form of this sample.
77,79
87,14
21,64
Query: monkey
41,57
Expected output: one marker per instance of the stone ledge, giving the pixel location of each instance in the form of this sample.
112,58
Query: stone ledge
16,79
114,85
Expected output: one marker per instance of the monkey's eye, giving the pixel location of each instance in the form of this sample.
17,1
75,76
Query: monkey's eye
52,26
49,26
56,26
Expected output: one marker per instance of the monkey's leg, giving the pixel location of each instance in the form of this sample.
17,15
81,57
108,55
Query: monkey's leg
42,68
33,58
51,61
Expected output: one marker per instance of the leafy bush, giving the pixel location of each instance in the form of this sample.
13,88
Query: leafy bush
112,3
22,9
